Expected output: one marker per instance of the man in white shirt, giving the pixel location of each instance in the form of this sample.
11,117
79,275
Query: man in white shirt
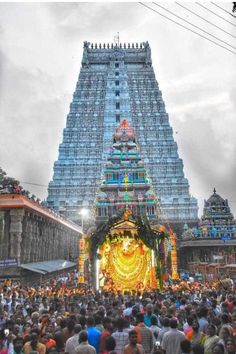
84,347
172,339
73,341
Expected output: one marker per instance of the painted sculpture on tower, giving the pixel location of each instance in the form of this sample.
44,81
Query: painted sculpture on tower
129,250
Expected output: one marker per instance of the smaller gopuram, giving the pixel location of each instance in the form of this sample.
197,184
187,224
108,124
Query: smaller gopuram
210,247
129,249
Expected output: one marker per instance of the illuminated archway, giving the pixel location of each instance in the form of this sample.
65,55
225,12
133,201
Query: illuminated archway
125,262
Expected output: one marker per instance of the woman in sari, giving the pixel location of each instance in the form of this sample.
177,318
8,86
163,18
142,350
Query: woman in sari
211,339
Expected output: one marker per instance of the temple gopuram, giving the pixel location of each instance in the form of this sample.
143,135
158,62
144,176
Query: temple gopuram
210,247
115,82
129,250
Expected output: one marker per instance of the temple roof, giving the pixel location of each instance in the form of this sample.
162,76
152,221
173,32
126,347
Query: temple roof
216,200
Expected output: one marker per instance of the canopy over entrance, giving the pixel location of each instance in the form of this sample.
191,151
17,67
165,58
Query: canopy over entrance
127,253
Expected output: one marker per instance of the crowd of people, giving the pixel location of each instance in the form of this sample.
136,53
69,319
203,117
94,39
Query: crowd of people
61,317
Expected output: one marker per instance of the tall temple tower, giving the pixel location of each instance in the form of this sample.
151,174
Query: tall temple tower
115,82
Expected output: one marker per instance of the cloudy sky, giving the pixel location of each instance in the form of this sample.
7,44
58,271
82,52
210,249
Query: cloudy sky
41,50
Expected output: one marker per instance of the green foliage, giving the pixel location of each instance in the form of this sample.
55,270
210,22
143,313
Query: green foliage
10,185
149,236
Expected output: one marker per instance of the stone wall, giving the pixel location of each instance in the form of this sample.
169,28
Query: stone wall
31,233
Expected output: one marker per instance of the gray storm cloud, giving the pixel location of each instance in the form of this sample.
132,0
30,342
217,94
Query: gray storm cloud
41,50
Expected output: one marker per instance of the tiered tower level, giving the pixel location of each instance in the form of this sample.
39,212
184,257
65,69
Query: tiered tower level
116,82
125,184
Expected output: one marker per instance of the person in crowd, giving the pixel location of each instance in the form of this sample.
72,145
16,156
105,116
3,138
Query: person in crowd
18,344
54,309
110,345
47,340
197,348
231,345
165,328
73,341
98,323
187,327
44,306
154,328
211,340
218,349
33,344
121,336
58,337
68,330
107,324
230,303
185,346
145,334
203,321
149,314
84,347
133,347
93,334
224,334
196,336
172,339
128,309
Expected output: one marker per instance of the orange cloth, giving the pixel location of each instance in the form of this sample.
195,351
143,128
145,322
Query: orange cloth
189,334
137,329
50,343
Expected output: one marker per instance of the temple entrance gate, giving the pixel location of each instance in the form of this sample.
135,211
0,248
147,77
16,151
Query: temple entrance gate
124,261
